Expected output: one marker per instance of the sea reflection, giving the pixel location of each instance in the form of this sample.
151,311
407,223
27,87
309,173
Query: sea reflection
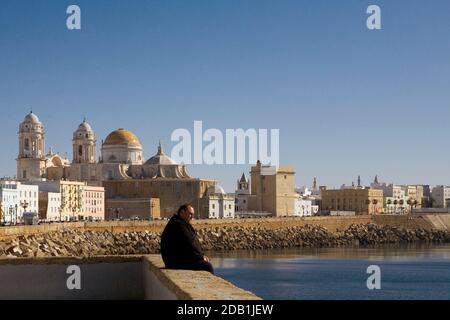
386,252
408,272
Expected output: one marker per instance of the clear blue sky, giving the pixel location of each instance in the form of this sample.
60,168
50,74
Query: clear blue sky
347,100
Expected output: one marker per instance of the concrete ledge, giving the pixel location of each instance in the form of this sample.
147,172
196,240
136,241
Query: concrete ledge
111,277
195,285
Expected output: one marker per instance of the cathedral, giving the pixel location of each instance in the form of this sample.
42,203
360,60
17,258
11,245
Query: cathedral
121,168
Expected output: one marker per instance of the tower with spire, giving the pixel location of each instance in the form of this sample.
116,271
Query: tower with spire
242,193
84,144
31,158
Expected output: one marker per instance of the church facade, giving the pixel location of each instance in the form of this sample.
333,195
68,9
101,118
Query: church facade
121,168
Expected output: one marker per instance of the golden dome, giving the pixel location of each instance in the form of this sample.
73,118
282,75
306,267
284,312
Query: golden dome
121,136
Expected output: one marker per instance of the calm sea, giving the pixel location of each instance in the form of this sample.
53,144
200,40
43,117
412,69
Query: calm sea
417,272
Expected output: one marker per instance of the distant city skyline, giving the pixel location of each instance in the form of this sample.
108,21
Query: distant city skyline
348,101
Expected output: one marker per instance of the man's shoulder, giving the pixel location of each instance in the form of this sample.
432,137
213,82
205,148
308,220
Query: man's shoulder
176,221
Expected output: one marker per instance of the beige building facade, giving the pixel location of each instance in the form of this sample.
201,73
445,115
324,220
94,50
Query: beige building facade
93,202
272,190
121,170
360,200
137,208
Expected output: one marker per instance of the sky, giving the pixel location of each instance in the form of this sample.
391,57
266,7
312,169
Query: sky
348,101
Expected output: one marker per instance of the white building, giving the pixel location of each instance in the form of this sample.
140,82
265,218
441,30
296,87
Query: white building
441,196
242,194
50,206
8,204
308,202
219,204
395,197
77,200
94,202
26,200
303,208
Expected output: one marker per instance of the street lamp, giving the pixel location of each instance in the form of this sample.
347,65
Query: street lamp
11,214
2,214
24,205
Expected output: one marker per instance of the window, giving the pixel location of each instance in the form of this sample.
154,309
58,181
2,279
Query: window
213,206
80,151
27,144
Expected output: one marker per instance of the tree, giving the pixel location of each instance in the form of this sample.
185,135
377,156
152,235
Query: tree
395,205
368,206
431,202
389,202
411,202
375,202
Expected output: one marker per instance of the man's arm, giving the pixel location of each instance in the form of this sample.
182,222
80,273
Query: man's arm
189,243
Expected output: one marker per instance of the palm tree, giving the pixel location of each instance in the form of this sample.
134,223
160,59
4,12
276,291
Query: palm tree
415,203
411,202
389,202
431,202
374,202
402,202
368,206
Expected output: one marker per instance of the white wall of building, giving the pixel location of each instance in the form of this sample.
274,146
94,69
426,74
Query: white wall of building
26,199
303,208
53,206
94,202
8,200
440,194
29,197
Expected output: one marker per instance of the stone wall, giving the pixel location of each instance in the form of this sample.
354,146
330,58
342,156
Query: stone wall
332,224
214,236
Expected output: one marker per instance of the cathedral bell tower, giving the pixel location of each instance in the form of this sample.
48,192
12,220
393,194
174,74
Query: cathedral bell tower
84,144
31,159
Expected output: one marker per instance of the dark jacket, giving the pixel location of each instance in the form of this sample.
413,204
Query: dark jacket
180,247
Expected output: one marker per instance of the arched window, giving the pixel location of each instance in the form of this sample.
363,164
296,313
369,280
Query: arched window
80,151
27,144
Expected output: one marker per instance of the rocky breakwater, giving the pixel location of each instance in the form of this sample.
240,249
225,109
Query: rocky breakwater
72,242
238,237
82,244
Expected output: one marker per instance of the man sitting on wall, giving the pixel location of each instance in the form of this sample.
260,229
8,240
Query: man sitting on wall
180,247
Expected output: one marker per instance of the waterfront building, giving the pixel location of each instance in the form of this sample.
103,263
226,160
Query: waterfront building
272,190
441,196
77,200
219,204
93,202
26,200
121,169
8,204
414,195
303,207
50,206
395,199
133,208
359,199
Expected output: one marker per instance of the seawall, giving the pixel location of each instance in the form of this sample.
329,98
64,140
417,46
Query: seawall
333,224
